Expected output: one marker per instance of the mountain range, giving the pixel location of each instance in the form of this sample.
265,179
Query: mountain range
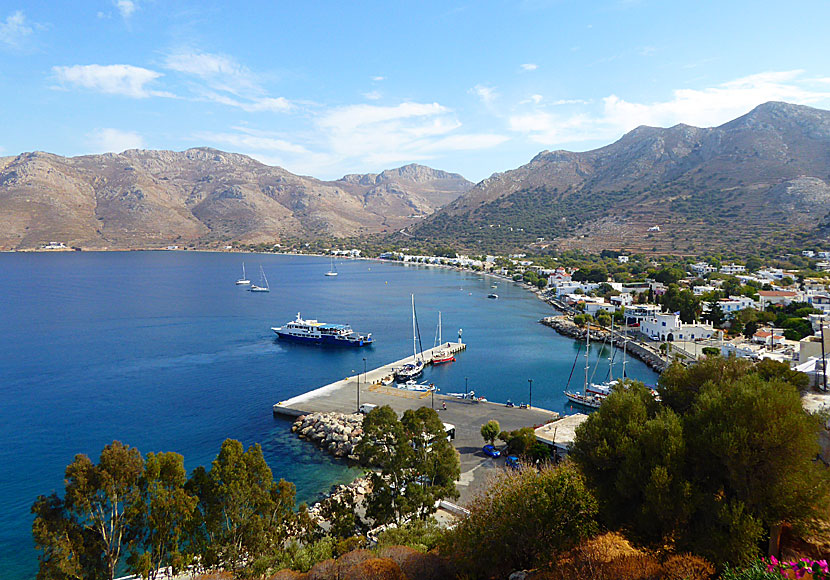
202,197
762,179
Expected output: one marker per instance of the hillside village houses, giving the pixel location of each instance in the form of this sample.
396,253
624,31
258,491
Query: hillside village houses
732,269
668,327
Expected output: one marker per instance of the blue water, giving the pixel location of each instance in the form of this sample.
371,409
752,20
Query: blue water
162,351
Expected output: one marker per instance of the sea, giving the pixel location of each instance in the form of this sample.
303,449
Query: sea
164,352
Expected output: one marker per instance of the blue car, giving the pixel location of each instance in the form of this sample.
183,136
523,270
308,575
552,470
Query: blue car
491,451
512,462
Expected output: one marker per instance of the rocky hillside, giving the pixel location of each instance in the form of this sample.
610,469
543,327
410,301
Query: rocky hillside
201,196
763,178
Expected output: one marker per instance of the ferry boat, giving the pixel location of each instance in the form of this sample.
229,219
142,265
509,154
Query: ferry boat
322,333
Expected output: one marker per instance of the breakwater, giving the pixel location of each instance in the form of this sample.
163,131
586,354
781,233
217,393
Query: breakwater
566,327
335,433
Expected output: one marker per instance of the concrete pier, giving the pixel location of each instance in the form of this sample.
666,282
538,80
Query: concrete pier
334,396
466,415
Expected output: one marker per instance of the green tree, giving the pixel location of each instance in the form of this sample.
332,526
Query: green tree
385,448
632,453
93,518
161,516
520,519
603,318
436,465
750,328
715,315
490,430
243,515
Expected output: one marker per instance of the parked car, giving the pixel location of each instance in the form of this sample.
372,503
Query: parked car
491,451
512,462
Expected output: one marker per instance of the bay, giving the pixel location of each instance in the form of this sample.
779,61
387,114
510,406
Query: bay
162,351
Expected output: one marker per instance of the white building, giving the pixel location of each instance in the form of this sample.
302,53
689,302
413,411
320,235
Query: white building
819,300
808,253
622,259
780,297
702,268
669,327
736,303
701,290
771,274
732,269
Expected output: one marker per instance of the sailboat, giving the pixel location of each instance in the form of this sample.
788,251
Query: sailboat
243,281
416,367
262,280
584,398
440,355
333,270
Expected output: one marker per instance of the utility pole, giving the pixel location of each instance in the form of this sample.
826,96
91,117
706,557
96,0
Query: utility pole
364,369
466,392
358,391
530,395
823,361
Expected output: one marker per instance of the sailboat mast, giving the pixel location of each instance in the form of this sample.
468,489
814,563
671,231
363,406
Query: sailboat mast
414,338
625,346
440,340
611,357
587,363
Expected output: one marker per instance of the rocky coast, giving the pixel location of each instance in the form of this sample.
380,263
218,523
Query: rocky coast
565,326
335,433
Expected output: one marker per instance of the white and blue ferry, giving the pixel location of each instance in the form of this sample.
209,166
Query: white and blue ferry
322,333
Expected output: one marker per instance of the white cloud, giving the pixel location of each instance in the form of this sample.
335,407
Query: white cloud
529,66
704,107
535,99
110,140
14,31
485,93
125,7
114,79
372,95
244,141
221,72
374,136
378,79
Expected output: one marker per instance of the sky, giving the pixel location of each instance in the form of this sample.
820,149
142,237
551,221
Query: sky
329,88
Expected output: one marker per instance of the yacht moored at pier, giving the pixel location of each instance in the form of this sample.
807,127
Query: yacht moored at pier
322,333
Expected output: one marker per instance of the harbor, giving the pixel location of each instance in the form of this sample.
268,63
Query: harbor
467,414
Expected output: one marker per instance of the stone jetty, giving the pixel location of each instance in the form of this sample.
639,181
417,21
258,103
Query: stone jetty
565,326
336,433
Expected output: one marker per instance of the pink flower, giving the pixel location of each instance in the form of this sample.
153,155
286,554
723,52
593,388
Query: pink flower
822,564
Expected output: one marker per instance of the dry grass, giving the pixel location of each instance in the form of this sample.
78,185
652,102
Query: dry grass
417,565
687,567
375,569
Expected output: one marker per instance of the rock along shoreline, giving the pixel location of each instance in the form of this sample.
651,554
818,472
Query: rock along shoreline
566,327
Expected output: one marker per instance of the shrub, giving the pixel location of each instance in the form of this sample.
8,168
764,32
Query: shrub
416,564
375,569
755,571
687,567
521,520
421,535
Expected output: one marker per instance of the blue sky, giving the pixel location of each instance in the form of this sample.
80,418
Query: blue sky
328,88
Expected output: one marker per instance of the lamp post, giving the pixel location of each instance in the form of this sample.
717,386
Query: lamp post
364,369
465,387
358,391
530,395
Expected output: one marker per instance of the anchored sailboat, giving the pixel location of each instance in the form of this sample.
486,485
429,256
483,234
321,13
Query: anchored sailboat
243,281
584,398
440,355
333,270
262,280
416,367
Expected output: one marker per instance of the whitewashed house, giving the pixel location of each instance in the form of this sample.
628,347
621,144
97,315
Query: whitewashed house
732,269
668,327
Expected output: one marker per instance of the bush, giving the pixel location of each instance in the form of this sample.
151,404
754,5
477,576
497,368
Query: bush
687,567
417,565
420,535
520,520
755,571
375,569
